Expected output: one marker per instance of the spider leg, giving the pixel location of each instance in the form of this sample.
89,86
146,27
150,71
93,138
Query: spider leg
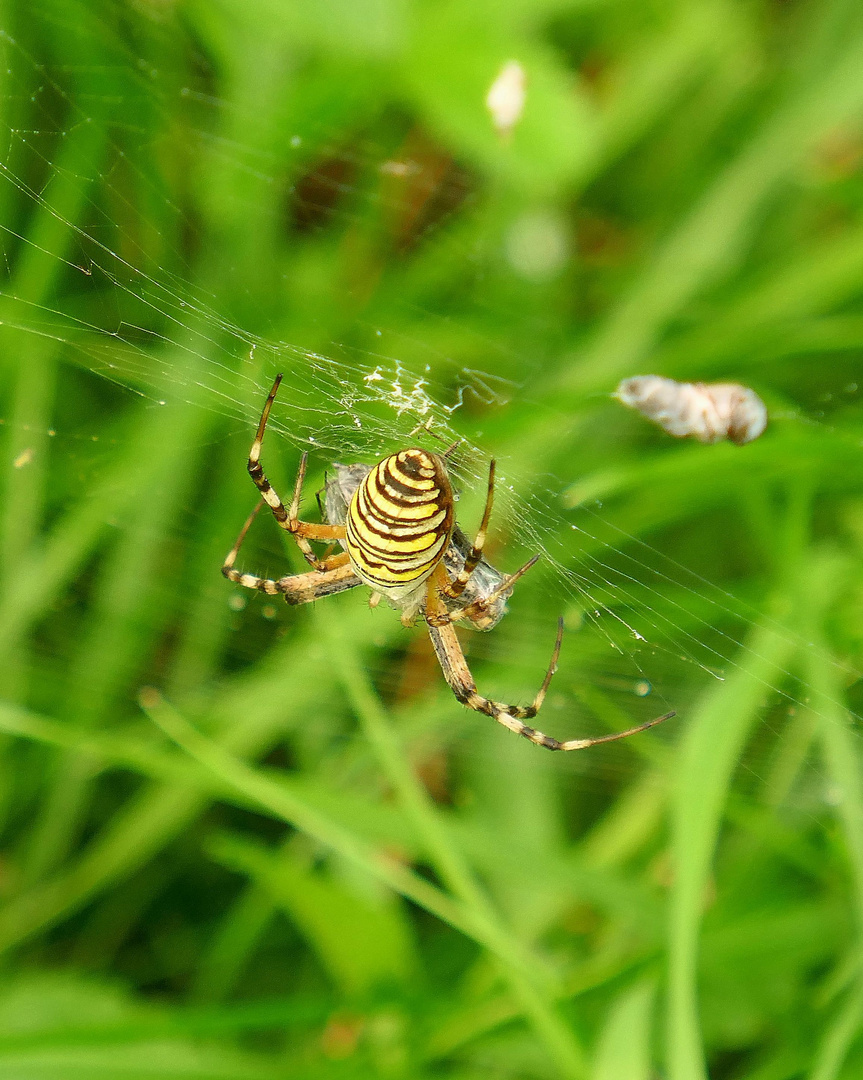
479,607
456,588
318,584
231,557
321,510
301,531
334,576
300,588
457,674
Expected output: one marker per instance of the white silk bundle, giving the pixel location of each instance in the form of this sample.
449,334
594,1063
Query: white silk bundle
703,411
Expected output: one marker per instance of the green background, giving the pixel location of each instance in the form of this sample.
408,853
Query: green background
245,841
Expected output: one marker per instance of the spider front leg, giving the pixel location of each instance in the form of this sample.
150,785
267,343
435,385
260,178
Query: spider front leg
335,574
457,674
289,520
454,589
476,610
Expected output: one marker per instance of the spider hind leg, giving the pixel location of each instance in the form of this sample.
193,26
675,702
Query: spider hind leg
457,674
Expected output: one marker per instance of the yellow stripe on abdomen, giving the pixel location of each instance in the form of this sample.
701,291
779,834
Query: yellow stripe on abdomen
400,520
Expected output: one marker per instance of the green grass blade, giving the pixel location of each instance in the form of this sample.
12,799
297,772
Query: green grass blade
714,736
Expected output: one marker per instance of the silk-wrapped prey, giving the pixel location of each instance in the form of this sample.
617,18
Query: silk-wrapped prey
709,412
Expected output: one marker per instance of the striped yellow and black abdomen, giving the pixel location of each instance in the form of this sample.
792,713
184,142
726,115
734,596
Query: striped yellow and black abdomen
400,521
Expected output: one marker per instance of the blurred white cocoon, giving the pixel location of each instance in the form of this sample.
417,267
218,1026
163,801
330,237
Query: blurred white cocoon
506,96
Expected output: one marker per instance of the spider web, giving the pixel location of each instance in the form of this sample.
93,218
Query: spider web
648,617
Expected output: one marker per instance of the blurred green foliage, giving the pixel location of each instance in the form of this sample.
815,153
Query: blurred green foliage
243,841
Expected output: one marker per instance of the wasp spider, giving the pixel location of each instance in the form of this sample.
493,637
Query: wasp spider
396,522
485,584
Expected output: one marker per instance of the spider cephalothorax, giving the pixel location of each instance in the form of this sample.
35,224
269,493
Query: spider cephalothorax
396,524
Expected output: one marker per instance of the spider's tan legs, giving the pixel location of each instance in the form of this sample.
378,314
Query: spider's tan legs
231,557
294,514
300,588
478,608
456,588
228,566
458,676
301,531
292,585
